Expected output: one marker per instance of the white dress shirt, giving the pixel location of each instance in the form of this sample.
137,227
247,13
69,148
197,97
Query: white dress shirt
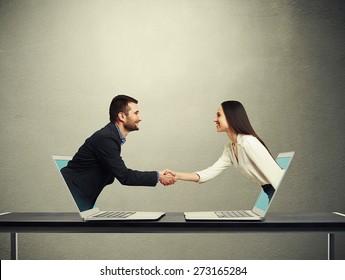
254,161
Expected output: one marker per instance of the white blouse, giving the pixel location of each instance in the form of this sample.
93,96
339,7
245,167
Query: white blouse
254,161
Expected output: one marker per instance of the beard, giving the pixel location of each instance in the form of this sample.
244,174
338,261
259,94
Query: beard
131,127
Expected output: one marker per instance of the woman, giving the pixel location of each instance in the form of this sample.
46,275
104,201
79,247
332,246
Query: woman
245,151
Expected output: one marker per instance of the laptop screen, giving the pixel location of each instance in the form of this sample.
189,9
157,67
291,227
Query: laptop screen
61,162
265,197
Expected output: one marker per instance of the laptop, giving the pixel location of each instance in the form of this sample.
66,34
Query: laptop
95,214
260,208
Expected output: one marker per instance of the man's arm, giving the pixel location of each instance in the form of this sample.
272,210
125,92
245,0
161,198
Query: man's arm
108,151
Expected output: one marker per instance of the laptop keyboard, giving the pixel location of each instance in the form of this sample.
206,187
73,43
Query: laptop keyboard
233,214
115,214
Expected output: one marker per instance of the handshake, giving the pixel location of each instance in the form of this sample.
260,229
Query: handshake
167,177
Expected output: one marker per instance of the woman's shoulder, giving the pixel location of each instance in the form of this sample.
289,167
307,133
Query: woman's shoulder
247,139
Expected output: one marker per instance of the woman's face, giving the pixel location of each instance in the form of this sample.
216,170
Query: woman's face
220,120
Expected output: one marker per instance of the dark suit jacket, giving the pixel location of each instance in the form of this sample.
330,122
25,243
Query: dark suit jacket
98,161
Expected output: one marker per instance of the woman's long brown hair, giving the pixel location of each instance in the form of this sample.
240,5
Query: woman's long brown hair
237,119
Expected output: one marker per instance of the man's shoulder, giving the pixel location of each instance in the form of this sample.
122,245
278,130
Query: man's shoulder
108,131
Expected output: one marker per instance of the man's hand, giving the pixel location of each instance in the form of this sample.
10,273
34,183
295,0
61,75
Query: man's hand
167,177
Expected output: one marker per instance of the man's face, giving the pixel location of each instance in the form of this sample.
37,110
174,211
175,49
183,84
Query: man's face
132,119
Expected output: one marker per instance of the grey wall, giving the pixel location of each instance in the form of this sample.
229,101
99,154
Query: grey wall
61,63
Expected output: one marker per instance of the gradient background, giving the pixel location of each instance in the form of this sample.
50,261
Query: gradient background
61,63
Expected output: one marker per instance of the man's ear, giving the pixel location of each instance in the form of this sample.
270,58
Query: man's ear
121,116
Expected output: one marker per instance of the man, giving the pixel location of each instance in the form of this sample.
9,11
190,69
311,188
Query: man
98,161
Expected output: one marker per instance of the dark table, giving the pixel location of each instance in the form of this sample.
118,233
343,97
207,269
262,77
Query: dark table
61,222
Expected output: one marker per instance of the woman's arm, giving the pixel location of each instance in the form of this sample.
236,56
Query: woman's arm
207,174
182,176
192,177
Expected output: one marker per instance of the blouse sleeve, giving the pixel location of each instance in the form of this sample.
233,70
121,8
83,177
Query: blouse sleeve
222,163
263,162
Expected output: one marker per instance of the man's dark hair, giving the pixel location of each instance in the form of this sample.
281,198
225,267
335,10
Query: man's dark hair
120,104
